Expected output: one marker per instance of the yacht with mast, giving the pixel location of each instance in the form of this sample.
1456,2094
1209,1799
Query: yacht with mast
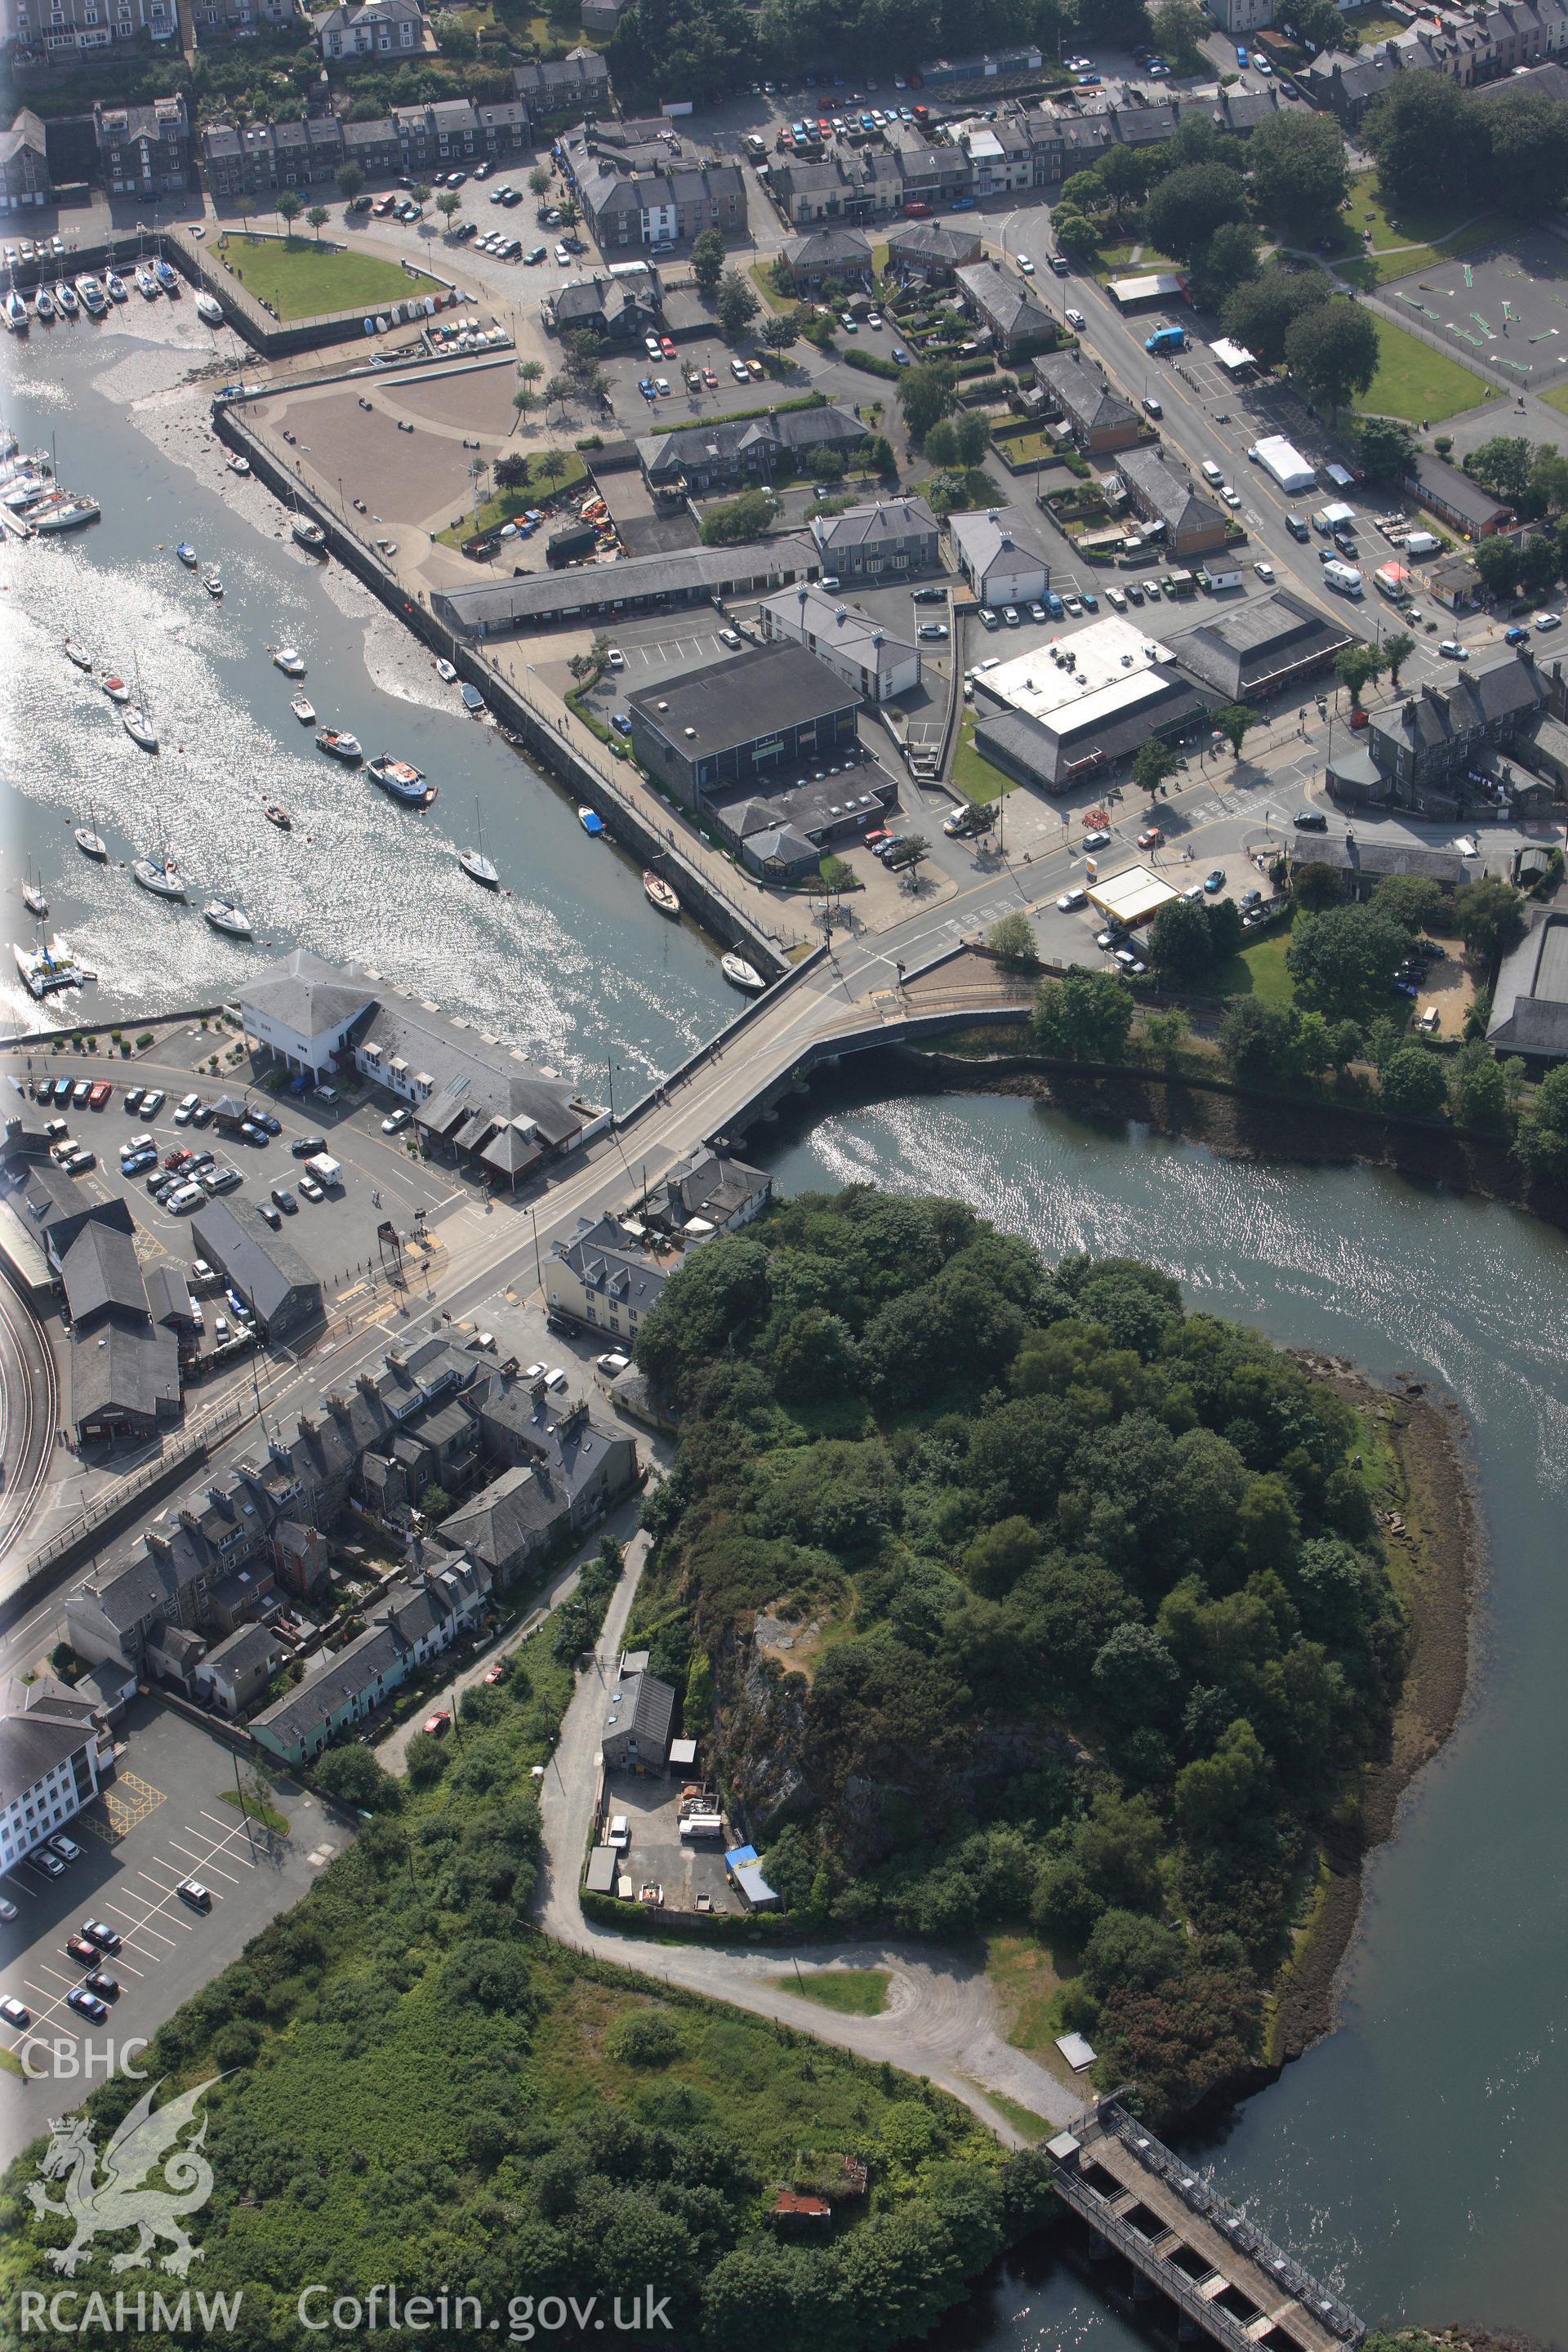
17,317
89,840
474,863
224,915
137,720
160,875
33,896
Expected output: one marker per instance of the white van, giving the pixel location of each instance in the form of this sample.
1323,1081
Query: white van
1211,472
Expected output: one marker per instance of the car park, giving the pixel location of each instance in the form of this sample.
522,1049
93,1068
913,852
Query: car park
87,2004
988,619
311,1189
183,1199
215,1181
1131,961
305,1147
393,1122
108,1940
81,1092
153,1103
932,629
80,1949
268,1215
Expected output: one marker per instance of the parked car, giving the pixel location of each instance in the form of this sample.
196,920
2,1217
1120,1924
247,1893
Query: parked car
436,1727
49,1864
67,1848
1310,821
619,1833
1215,881
87,2004
285,1200
396,1119
15,2013
305,1147
1070,900
80,1949
108,1940
192,1890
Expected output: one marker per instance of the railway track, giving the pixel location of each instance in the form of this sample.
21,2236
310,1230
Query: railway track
29,1405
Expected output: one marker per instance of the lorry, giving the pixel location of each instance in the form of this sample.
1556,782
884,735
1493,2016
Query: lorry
1165,340
325,1168
1343,577
702,1825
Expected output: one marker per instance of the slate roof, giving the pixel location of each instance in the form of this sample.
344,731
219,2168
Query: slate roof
505,1517
41,1723
264,1267
1378,859
981,539
1433,478
827,248
101,1272
245,1651
1173,500
541,596
125,1368
1530,1004
692,447
1082,392
641,1707
932,241
883,521
604,1263
306,994
712,1184
1239,647
1004,302
762,691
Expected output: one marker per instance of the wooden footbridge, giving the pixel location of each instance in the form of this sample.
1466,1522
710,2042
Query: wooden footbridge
1219,2269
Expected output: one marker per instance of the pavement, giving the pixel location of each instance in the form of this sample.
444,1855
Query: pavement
941,2022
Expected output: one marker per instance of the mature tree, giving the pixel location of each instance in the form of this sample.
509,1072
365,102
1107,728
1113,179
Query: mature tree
290,205
1178,27
1478,1090
1548,492
1332,352
1427,137
510,471
1228,259
539,179
1540,560
779,329
552,463
352,1777
1300,172
1396,651
1356,667
1164,1031
1502,465
1181,945
1344,962
1260,1041
708,260
1011,938
1218,1789
927,392
1313,887
1235,722
1123,173
318,217
1490,917
1085,1016
747,517
1413,900
1152,763
446,202
1319,22
1412,1083
1386,447
737,305
350,180
420,192
1187,207
1527,138
1134,1676
1543,1142
1084,191
1129,1949
1497,561
1074,231
558,390
1261,313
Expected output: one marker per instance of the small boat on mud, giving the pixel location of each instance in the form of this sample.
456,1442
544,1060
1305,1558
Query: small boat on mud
659,894
592,823
445,672
210,309
741,974
239,464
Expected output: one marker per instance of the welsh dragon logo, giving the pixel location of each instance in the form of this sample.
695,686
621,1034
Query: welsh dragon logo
125,2198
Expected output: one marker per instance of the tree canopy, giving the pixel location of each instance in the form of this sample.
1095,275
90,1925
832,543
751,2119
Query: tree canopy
1331,349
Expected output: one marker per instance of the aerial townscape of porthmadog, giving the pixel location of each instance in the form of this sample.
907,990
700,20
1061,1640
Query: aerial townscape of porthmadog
783,1154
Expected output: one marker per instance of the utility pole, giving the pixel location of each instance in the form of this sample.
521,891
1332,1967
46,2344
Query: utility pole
244,1811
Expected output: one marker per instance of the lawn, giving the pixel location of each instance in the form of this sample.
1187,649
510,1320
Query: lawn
1418,383
974,775
852,1992
1432,234
302,279
1258,971
1019,1972
1115,260
502,505
1557,399
1024,2121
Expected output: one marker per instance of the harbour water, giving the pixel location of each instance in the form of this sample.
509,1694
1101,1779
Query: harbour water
573,966
1416,2157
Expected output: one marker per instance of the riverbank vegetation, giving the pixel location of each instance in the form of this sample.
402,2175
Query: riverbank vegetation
417,2087
1096,1624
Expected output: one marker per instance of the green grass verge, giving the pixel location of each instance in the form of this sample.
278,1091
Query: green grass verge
852,1992
1019,1972
1116,261
761,274
1418,383
1372,248
1557,399
502,505
1024,2121
302,279
974,775
254,1809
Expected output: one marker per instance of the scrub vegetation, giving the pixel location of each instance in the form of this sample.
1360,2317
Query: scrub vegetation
1116,1636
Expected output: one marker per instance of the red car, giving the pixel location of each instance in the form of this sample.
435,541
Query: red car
1151,838
494,1674
667,347
176,1158
435,1724
100,1095
709,379
80,1949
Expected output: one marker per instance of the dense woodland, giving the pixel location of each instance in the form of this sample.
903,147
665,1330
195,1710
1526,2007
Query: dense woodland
1089,1620
420,2090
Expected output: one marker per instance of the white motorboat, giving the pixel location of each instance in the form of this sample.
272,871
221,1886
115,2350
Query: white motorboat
160,876
116,690
140,728
231,921
187,554
74,653
741,974
94,300
239,464
445,673
304,709
114,286
659,894
213,584
210,309
308,535
168,277
339,742
289,660
15,313
44,306
66,302
146,284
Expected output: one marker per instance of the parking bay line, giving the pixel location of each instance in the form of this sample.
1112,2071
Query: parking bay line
139,1926
202,1861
